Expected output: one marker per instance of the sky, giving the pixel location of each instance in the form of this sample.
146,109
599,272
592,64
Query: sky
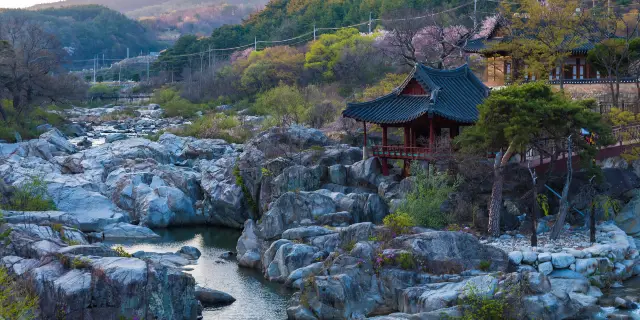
21,3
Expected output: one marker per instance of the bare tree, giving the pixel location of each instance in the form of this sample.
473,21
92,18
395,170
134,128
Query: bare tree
30,72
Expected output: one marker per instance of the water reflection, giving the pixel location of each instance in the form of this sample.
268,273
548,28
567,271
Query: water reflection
256,298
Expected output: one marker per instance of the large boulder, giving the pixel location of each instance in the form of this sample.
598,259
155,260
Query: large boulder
293,208
213,298
628,219
280,141
59,141
224,199
289,257
248,247
452,252
127,231
436,296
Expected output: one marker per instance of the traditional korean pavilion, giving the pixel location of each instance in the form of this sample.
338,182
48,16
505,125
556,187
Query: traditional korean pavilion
430,103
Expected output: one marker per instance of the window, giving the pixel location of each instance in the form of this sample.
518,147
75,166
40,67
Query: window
574,74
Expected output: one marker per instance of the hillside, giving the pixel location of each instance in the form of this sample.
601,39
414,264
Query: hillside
175,17
91,30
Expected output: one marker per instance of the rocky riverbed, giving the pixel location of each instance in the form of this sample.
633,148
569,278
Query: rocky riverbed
310,211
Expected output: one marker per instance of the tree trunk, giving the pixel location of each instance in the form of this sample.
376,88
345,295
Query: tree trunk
534,216
496,191
614,101
564,202
592,222
638,91
3,113
496,201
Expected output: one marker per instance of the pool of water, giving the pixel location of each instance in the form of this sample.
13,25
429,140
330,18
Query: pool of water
256,298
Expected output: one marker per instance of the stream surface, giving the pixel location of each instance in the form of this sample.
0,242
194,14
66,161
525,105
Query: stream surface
256,298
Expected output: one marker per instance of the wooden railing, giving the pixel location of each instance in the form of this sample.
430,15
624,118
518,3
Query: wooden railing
629,133
605,107
409,153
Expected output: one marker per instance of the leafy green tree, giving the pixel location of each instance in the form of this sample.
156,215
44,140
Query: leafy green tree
285,104
332,55
266,69
530,115
540,35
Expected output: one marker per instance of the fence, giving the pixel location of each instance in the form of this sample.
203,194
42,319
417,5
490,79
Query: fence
135,98
605,106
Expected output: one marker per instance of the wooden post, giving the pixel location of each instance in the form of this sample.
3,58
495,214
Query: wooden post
383,160
432,133
407,144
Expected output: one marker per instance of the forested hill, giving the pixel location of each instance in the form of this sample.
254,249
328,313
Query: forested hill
282,19
171,18
86,31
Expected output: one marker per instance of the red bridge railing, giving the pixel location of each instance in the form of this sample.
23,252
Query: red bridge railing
408,153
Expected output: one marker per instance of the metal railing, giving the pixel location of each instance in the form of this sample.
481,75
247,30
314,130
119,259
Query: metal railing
409,153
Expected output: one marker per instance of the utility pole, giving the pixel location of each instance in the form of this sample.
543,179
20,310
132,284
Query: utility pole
475,14
369,21
103,64
314,31
120,72
127,53
255,44
95,60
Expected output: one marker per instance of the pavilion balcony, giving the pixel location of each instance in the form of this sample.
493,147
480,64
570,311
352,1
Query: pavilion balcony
409,153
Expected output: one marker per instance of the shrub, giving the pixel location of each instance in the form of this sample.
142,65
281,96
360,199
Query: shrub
399,222
347,247
80,263
122,252
29,196
216,126
285,104
431,190
405,261
16,301
484,265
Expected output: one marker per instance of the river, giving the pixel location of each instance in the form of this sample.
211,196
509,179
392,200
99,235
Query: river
256,298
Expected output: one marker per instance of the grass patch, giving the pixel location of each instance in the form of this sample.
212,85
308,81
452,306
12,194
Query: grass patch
399,223
216,126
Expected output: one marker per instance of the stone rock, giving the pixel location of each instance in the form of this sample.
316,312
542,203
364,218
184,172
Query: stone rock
437,296
213,298
338,174
124,230
586,266
366,171
224,200
529,257
192,252
57,139
545,267
515,257
562,260
303,273
452,252
116,137
248,246
544,257
538,283
291,209
306,232
75,130
628,219
288,258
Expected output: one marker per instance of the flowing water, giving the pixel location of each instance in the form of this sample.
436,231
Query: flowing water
256,298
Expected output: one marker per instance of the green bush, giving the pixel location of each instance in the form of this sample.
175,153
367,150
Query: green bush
431,189
122,252
99,91
216,126
484,265
80,263
174,105
25,123
399,222
29,196
16,301
406,261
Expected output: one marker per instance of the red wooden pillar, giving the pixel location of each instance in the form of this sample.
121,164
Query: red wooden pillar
407,144
432,133
385,169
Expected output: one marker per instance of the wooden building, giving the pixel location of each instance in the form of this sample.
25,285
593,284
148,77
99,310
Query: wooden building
430,103
499,67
